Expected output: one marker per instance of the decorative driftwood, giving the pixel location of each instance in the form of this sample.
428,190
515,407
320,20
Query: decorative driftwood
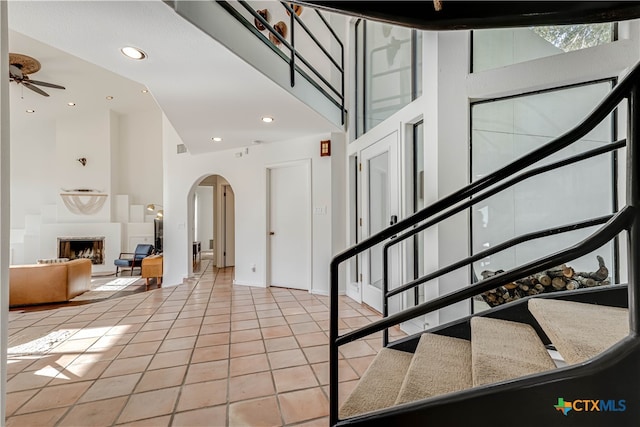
560,278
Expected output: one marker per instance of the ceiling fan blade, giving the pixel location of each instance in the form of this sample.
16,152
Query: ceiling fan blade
34,88
15,71
39,83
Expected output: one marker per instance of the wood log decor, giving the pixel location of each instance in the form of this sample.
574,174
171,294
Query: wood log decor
560,278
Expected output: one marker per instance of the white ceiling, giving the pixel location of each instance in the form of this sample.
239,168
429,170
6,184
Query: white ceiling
203,89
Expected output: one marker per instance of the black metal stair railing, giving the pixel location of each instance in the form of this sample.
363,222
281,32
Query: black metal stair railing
321,81
628,218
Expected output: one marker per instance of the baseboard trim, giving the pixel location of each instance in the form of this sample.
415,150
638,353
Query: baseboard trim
325,293
255,285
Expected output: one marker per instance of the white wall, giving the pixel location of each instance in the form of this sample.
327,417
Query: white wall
204,224
247,177
32,149
139,165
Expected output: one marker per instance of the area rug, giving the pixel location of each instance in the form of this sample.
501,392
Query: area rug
41,345
102,288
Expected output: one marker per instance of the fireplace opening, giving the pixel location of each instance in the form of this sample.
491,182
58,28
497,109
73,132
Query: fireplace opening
82,247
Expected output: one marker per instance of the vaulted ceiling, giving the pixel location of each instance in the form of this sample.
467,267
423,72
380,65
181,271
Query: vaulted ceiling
203,89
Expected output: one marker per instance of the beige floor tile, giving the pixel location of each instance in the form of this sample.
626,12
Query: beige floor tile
202,395
250,386
287,358
246,348
244,324
186,331
244,336
207,371
162,378
55,397
216,328
213,339
206,417
360,364
272,321
317,354
298,318
356,349
26,381
149,422
43,418
303,405
127,366
152,335
248,315
305,328
312,339
276,332
94,414
296,378
284,343
259,412
111,387
149,404
318,422
76,372
17,399
248,364
170,358
177,344
208,354
140,349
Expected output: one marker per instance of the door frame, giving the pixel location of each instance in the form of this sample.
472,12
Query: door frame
268,168
395,198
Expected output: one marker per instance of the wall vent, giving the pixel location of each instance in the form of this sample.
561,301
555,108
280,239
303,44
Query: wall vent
182,148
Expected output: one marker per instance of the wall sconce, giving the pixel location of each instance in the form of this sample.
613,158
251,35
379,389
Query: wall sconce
325,148
82,160
151,207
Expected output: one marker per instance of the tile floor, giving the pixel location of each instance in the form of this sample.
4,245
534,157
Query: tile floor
205,353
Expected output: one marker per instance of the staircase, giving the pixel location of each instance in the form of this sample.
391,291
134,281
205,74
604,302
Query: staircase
499,351
496,368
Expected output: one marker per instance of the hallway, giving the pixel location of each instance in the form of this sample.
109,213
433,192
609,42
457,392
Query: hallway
203,353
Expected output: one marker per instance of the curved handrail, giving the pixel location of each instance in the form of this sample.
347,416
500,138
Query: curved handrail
498,248
619,222
503,186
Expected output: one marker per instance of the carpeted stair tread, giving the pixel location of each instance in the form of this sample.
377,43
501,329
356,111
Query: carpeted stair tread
379,386
503,350
580,331
440,365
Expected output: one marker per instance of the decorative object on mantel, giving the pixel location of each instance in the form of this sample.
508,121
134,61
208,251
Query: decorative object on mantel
281,28
82,160
560,278
264,13
83,201
157,208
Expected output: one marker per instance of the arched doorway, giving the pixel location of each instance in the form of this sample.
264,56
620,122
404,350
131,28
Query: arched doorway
214,220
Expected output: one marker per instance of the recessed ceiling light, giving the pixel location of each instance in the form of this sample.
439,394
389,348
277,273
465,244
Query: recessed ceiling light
145,91
216,139
109,98
31,111
71,104
267,119
133,52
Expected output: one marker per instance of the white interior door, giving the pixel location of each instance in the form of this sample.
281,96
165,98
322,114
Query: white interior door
289,233
229,227
379,203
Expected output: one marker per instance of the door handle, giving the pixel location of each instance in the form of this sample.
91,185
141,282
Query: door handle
271,233
393,220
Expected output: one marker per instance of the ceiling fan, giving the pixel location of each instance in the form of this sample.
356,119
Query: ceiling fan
20,66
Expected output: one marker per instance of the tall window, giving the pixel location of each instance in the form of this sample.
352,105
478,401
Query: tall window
505,129
500,47
388,71
418,203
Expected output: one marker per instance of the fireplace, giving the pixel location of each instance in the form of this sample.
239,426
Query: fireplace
82,247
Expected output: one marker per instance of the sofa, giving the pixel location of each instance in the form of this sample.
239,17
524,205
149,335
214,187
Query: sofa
47,283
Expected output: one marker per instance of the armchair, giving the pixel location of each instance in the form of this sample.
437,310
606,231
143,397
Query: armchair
133,260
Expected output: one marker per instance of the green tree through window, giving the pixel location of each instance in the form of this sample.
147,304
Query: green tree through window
575,37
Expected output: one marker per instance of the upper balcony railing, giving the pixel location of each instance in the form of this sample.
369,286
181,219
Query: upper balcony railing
310,46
